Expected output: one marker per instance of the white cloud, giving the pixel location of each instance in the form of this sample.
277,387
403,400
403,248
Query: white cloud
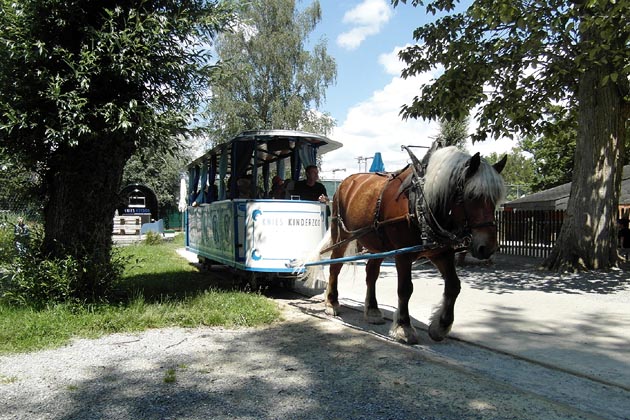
365,19
391,62
376,126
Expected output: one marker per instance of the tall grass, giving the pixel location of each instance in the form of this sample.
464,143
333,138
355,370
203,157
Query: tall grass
159,289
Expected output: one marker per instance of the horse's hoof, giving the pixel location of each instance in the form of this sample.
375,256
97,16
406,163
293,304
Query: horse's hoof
404,334
333,309
438,333
374,316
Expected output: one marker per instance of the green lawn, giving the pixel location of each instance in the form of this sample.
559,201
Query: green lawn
165,291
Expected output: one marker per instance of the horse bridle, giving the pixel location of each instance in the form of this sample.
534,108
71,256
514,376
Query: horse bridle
425,220
459,199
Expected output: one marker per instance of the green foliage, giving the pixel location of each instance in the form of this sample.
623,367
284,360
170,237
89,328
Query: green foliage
518,173
528,65
454,133
98,81
270,80
153,238
8,219
19,187
35,279
553,157
517,59
7,243
158,171
170,376
137,71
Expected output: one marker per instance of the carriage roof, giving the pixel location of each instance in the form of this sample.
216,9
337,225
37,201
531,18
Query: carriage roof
272,145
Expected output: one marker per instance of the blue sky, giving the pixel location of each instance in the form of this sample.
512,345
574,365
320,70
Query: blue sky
364,37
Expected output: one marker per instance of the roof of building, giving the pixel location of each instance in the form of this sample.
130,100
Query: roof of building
556,198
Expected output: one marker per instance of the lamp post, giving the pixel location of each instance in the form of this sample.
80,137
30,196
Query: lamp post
334,171
364,160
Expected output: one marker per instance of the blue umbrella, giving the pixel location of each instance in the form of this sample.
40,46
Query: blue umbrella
377,163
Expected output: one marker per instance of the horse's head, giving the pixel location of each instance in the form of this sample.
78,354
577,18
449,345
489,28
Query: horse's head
462,192
482,189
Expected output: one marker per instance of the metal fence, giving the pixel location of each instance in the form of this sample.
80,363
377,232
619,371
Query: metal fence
531,233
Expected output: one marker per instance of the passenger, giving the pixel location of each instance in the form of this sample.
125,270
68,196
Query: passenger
244,186
309,188
277,187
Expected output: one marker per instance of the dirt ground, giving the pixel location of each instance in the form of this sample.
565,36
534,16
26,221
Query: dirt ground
308,366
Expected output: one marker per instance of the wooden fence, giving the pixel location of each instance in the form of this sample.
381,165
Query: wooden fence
529,233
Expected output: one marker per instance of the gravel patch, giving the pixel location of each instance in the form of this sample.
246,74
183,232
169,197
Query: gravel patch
306,367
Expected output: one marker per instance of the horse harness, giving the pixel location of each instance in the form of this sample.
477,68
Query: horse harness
433,235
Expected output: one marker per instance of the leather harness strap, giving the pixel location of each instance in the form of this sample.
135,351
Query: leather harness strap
433,235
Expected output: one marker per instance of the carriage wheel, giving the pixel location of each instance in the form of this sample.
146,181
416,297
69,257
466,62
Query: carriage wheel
288,283
250,281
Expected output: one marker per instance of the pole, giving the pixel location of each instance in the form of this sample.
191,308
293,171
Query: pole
415,248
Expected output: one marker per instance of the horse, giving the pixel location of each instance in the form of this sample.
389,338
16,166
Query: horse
439,207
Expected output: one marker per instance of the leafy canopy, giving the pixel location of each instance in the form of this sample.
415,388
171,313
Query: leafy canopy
519,59
131,69
270,80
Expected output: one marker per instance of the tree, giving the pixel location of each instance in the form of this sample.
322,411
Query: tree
518,172
554,151
453,132
272,82
98,80
553,157
519,60
18,187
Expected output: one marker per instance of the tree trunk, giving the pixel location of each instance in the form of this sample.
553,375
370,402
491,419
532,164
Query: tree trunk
588,238
83,185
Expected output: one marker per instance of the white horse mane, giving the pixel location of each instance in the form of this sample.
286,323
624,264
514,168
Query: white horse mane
444,170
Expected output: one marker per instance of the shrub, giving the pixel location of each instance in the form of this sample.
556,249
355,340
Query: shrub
8,219
34,279
7,243
153,238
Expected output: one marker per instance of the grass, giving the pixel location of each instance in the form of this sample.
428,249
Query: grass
166,291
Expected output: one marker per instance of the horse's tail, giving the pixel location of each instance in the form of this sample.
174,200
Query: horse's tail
311,273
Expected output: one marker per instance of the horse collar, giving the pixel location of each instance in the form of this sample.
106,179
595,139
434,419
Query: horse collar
423,217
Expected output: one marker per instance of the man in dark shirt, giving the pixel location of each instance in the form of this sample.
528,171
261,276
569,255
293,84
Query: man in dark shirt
309,188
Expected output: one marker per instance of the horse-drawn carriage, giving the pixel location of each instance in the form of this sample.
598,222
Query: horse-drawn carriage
429,209
231,217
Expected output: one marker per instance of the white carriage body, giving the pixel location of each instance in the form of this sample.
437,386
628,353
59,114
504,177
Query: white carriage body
256,235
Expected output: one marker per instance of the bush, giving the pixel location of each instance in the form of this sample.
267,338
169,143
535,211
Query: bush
7,243
153,238
39,283
34,279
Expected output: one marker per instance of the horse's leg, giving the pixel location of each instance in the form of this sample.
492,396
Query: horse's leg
372,314
444,315
401,329
332,294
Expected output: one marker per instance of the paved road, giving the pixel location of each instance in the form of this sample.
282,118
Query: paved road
566,334
576,322
564,338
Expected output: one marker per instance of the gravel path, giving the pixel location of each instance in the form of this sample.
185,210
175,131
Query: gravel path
306,367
